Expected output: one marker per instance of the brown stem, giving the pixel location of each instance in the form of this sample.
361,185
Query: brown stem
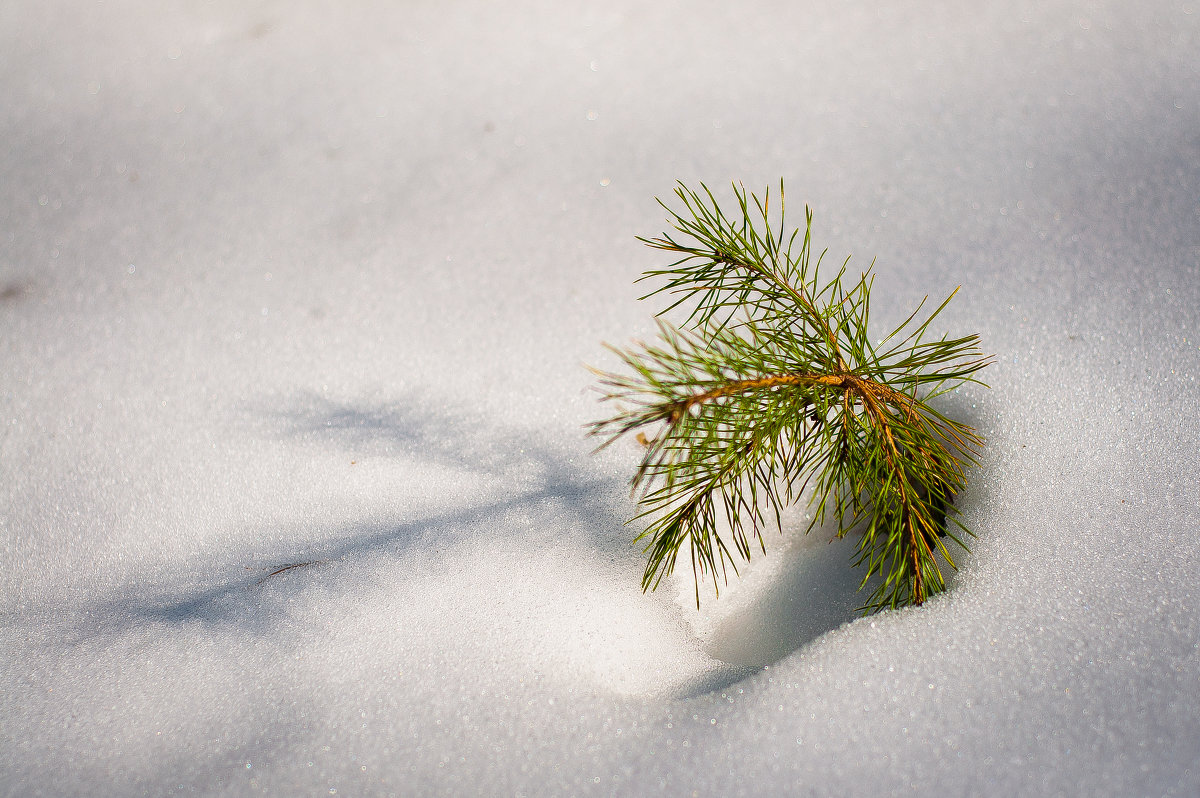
770,381
871,396
851,384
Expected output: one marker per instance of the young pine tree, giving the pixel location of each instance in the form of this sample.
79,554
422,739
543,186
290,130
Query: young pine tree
772,387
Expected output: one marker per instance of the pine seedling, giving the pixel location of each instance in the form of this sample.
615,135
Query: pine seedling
772,392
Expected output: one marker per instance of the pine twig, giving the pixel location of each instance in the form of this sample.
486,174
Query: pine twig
772,387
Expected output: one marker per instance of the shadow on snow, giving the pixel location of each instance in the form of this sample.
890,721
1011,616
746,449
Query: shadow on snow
809,591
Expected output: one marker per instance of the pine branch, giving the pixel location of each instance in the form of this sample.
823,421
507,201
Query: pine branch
772,391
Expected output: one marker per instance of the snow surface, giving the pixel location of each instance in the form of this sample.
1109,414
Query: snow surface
305,282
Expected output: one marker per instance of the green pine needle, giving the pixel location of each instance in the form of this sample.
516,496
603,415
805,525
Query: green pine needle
771,388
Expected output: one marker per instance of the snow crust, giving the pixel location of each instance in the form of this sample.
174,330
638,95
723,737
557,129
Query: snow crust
313,284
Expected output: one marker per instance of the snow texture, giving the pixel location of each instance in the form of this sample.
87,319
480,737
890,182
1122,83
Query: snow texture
314,284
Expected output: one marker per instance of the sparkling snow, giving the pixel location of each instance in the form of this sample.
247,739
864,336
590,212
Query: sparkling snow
313,284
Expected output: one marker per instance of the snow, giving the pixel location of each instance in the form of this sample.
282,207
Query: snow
315,283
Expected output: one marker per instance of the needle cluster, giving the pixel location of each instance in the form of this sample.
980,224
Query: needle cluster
771,391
